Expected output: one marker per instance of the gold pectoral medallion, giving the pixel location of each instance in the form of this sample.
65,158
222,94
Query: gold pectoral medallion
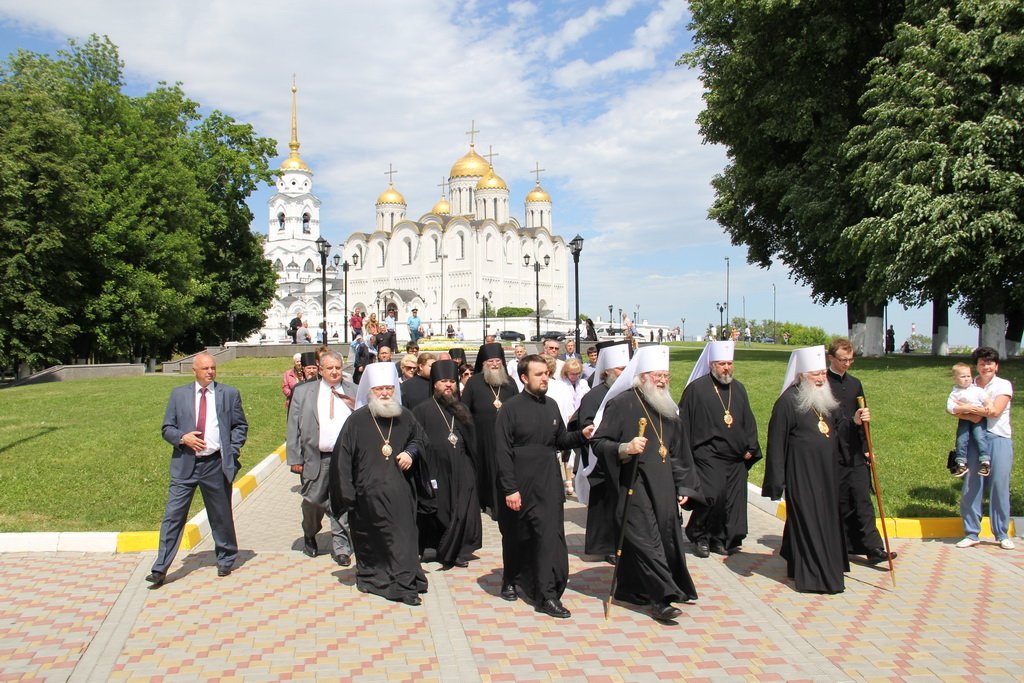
497,404
386,451
727,419
452,439
663,452
822,427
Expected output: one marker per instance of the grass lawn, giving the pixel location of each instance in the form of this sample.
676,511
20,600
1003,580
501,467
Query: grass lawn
87,455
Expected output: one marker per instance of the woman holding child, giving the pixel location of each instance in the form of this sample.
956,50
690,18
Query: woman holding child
996,412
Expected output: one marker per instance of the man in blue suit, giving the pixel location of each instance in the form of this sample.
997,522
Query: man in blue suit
206,425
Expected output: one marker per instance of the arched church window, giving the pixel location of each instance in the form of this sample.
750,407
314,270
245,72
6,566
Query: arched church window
309,267
305,223
495,208
462,246
408,250
278,266
437,248
382,253
489,248
280,221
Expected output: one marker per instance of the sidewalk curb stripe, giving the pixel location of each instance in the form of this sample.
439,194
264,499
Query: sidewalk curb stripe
897,527
196,529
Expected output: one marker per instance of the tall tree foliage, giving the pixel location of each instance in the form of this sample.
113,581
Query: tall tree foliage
940,157
782,81
125,228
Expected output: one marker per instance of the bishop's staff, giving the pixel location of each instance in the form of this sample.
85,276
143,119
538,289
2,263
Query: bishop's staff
622,523
878,492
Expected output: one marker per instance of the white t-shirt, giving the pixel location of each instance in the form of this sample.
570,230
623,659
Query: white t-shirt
1000,426
971,394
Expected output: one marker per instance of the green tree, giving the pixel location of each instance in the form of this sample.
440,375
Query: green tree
940,158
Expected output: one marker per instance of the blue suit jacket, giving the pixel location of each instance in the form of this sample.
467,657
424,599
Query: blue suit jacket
180,419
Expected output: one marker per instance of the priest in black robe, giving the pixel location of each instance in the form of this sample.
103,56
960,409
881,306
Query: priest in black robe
455,529
374,477
416,389
723,440
593,487
803,462
529,431
486,392
652,567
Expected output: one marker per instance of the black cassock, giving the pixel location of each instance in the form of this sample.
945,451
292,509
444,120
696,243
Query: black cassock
528,433
804,463
415,391
652,568
455,530
381,501
479,397
718,453
600,537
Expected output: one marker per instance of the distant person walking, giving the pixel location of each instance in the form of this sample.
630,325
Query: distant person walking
205,424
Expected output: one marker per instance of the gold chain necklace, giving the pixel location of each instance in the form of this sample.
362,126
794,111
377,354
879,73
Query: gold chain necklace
386,449
452,439
727,418
822,425
662,451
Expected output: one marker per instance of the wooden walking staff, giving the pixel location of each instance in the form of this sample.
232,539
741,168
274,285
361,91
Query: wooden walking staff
878,492
622,524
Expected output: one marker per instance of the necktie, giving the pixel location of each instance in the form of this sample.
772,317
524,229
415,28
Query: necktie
334,393
201,419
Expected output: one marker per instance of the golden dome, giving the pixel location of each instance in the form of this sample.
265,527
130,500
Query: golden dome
538,194
491,181
442,208
391,196
295,163
470,165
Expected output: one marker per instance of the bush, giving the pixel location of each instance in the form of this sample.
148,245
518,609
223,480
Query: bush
514,312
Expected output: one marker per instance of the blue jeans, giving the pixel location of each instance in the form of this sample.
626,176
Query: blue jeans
972,432
998,482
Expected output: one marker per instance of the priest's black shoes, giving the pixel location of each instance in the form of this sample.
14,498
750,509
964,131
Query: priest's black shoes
309,545
717,547
878,555
665,611
412,600
610,559
508,592
343,560
554,608
223,571
156,578
702,549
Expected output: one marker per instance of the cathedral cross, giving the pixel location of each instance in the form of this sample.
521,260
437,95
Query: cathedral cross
390,173
491,154
443,185
537,171
472,132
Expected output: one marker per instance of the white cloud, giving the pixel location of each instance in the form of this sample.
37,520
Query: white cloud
577,28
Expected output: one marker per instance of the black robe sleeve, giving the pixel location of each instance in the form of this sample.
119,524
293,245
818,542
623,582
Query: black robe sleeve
503,456
341,488
778,447
684,471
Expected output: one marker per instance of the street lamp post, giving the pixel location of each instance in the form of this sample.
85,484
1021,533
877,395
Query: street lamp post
537,267
486,301
728,312
682,329
324,248
721,324
775,322
609,318
576,247
231,325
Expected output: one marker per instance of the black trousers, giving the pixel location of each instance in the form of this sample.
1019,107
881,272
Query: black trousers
856,509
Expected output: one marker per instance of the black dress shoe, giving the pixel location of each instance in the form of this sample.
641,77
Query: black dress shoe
412,600
610,559
508,592
702,549
554,608
343,560
461,562
309,546
223,571
665,612
717,547
878,555
156,578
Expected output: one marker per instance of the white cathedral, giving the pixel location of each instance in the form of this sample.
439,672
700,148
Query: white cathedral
465,248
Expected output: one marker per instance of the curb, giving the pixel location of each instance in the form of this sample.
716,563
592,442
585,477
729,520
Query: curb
196,529
896,527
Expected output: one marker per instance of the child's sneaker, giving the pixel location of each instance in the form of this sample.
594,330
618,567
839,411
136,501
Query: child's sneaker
961,470
985,469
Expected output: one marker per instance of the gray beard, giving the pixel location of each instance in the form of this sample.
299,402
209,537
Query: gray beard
722,379
495,377
609,380
659,399
809,397
380,407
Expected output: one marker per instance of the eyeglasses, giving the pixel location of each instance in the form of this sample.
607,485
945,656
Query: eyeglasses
846,361
660,375
408,367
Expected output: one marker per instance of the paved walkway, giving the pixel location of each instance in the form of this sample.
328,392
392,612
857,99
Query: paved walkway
955,615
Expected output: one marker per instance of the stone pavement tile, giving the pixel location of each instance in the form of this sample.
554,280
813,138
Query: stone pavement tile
51,606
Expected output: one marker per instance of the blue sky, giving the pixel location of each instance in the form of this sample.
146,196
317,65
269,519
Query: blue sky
588,90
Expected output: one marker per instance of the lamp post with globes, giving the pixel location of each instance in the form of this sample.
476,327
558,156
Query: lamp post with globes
721,324
486,298
609,318
324,249
537,267
575,248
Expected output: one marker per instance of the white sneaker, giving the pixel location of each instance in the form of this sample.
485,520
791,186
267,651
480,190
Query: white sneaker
1006,544
968,542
